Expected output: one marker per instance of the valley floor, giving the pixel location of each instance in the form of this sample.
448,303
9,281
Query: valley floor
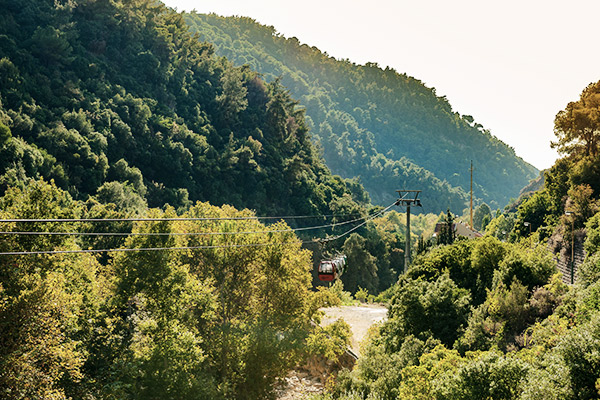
300,384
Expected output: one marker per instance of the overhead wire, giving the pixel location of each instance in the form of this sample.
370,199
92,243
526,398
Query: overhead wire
358,226
119,250
12,220
39,252
32,233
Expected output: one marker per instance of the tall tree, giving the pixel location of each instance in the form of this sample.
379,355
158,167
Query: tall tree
482,217
577,127
446,234
362,269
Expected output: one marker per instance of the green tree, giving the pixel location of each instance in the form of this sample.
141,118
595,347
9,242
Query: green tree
361,268
490,376
48,303
534,212
578,351
581,204
482,217
585,171
577,127
504,315
5,134
592,240
123,196
446,234
163,314
420,308
263,299
501,226
486,256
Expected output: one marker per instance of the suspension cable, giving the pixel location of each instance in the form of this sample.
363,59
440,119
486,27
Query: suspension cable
119,250
172,219
375,215
179,233
79,251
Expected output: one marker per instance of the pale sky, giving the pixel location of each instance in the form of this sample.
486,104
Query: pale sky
511,64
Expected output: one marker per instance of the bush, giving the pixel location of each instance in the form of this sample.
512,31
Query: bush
489,376
592,241
438,309
580,352
330,341
361,295
589,271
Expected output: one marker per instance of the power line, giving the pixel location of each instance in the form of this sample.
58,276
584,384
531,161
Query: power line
39,252
172,219
119,250
178,233
375,215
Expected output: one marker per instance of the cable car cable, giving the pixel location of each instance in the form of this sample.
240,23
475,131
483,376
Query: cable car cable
39,252
170,219
179,233
358,226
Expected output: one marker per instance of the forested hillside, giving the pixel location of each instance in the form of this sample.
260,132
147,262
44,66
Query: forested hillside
120,101
130,270
493,317
115,123
382,126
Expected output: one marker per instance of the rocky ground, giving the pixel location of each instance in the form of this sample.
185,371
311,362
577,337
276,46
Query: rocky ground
301,384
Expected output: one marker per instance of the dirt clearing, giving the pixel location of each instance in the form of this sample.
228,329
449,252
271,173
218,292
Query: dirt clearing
360,318
300,385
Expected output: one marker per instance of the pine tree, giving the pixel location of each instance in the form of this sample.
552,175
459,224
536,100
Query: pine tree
447,235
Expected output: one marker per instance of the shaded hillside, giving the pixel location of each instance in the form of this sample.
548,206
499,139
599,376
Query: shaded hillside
119,103
119,100
385,127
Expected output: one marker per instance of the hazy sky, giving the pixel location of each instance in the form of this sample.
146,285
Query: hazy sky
510,64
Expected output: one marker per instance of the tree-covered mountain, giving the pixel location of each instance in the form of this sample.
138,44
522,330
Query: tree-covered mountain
377,124
493,317
119,100
123,108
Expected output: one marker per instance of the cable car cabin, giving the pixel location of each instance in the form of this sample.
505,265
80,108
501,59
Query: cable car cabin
330,270
326,271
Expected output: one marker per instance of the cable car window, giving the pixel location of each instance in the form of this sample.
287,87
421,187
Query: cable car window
326,268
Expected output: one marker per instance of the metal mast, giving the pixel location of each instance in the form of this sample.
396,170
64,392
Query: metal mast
408,197
471,194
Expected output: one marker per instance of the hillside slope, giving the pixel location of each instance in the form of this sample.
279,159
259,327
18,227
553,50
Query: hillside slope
384,127
120,101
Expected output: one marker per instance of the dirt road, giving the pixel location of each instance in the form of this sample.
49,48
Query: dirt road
360,319
300,385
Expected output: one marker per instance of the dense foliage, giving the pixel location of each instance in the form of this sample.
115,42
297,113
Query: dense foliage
478,319
219,316
119,103
382,126
492,319
117,98
121,109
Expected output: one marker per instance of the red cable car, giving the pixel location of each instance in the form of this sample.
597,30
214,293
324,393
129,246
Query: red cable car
330,270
